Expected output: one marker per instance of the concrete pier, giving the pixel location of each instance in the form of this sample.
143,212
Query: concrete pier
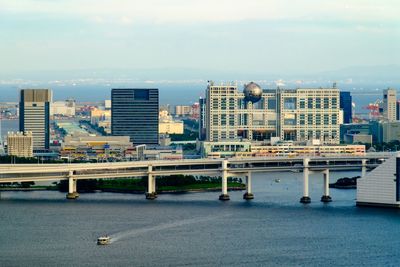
224,194
363,168
151,185
306,197
326,197
248,195
72,187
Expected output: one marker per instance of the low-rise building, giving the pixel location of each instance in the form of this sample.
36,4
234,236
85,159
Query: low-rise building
94,147
20,144
166,125
248,149
144,152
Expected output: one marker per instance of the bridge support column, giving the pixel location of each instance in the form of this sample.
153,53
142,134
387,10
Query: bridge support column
363,168
224,196
151,185
306,198
72,187
326,197
248,195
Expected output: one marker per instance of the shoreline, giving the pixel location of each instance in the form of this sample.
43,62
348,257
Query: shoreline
128,191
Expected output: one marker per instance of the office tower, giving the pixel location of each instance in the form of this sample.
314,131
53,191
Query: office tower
20,144
257,115
34,116
389,104
346,106
398,110
202,119
134,113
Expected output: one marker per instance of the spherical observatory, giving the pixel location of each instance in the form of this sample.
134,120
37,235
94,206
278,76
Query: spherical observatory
252,92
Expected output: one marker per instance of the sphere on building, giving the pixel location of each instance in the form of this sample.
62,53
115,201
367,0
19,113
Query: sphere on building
252,92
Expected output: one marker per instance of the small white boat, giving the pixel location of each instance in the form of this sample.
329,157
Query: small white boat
103,240
277,180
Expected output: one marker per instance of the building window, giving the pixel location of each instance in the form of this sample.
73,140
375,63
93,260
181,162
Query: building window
318,103
326,102
334,102
310,103
289,103
271,103
302,119
310,119
318,119
302,103
326,119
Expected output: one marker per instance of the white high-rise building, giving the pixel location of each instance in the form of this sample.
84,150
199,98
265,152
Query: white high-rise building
257,115
389,104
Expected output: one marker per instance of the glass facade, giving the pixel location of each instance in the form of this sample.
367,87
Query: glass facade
134,113
346,106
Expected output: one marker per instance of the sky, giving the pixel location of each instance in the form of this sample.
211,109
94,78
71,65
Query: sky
237,36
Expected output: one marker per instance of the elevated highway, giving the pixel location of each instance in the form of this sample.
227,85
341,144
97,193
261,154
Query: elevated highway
233,167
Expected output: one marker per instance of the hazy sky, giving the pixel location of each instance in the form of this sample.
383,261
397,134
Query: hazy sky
232,35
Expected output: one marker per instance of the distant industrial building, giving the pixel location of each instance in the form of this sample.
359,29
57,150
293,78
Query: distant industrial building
389,104
346,104
182,111
20,144
63,108
256,115
34,116
135,114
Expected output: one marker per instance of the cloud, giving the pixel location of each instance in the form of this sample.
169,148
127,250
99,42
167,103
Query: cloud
195,11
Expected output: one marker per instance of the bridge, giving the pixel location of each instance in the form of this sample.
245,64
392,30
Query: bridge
232,167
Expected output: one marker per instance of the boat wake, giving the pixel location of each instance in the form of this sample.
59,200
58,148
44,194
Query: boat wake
132,233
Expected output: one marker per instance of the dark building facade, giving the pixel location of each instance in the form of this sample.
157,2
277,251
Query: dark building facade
134,113
34,116
202,119
346,106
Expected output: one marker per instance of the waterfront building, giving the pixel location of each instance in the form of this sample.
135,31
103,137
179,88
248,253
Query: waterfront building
346,105
389,104
227,149
20,144
94,147
134,113
34,116
381,187
257,115
144,152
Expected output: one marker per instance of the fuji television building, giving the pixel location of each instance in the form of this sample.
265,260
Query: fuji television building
257,114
